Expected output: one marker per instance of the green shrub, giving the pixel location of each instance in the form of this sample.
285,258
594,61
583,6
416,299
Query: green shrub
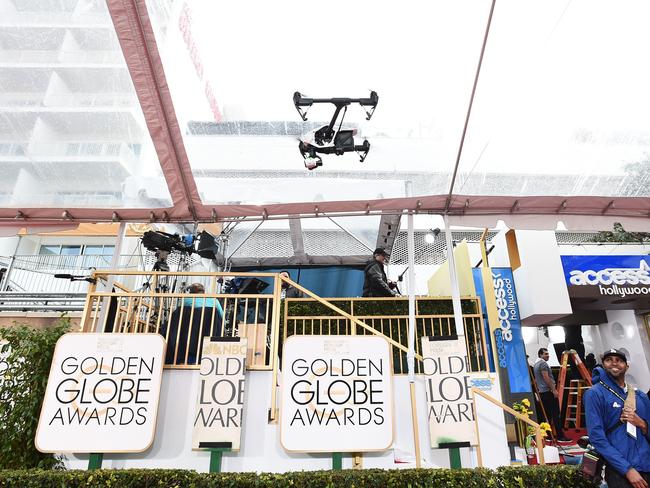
21,393
520,477
543,477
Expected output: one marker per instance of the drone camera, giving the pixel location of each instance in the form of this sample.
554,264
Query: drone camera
329,139
344,141
313,162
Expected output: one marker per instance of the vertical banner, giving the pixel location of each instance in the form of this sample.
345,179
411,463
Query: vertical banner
337,394
220,401
448,381
509,328
102,393
497,291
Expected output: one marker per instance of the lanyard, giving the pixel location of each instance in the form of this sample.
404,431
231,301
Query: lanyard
612,391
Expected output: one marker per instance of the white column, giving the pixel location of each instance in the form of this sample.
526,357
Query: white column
455,291
410,357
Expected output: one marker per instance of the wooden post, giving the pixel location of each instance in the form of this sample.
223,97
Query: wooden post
337,461
95,461
454,458
216,455
533,424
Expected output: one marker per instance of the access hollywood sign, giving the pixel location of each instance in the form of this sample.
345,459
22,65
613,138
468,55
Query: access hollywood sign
506,303
619,276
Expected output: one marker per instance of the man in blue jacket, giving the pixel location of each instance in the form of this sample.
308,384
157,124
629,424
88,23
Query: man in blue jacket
619,433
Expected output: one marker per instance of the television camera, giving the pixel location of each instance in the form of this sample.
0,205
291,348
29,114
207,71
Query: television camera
327,139
163,243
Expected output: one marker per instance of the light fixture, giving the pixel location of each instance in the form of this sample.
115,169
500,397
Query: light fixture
431,236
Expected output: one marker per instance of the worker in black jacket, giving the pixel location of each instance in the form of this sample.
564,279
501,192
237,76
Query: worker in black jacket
375,283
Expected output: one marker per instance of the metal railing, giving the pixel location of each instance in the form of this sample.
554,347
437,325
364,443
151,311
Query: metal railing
389,317
35,272
41,302
157,302
141,302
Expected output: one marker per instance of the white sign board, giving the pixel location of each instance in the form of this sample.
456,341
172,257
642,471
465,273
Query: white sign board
102,393
336,394
448,381
220,400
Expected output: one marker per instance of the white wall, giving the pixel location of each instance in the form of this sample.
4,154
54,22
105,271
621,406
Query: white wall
623,331
261,449
535,338
540,279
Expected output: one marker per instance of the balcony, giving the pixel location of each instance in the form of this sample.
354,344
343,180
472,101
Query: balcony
51,57
118,99
53,19
82,151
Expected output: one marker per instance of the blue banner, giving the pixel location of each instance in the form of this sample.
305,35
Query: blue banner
511,353
510,324
606,270
478,286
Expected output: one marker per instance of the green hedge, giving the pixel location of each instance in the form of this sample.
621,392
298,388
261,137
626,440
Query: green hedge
378,307
22,390
519,477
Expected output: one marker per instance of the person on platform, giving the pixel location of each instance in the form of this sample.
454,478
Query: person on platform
375,283
289,291
617,423
590,361
548,393
200,302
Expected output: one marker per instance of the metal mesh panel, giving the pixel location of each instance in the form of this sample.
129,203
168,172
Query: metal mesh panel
575,237
332,243
430,253
277,243
263,243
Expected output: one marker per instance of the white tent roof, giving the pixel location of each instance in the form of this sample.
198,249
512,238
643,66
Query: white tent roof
557,130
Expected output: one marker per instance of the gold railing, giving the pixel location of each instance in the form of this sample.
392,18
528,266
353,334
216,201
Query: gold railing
389,317
151,302
520,417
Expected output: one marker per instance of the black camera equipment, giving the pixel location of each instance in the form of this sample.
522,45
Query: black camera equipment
66,276
163,243
323,137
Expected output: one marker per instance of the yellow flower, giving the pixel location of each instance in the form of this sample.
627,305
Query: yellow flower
526,402
545,426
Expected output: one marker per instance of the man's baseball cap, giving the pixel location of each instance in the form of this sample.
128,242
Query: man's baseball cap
614,352
380,251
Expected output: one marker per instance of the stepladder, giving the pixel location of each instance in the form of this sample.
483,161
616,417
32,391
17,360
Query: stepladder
574,404
580,366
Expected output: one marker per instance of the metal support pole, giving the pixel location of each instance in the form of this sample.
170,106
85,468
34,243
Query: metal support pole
115,264
455,291
410,357
5,283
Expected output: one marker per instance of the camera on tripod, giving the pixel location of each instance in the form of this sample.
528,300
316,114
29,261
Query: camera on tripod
163,243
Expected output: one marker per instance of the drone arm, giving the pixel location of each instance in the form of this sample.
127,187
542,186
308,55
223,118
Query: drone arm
299,101
369,102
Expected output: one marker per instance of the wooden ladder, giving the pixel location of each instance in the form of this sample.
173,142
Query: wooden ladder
574,404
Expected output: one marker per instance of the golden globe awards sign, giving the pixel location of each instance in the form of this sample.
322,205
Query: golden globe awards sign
220,401
448,383
102,393
336,394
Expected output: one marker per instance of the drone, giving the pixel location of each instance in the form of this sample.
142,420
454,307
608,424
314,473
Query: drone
327,139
